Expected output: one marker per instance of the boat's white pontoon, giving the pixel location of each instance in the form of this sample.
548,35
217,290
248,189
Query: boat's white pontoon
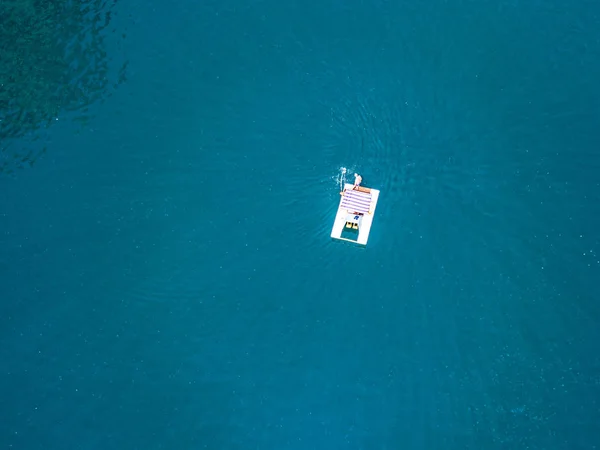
355,214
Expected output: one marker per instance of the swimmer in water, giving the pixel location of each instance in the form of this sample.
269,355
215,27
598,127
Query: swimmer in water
357,180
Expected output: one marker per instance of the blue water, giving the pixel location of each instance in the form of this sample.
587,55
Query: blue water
167,276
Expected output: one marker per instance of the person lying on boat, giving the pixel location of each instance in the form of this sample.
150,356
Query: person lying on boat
357,180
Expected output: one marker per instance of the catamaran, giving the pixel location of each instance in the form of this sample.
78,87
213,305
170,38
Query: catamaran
354,216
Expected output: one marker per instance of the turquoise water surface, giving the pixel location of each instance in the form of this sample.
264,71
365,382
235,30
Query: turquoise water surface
168,279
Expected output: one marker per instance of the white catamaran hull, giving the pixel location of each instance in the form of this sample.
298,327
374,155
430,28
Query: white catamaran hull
355,213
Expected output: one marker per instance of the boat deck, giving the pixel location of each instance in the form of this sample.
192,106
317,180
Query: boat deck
359,201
